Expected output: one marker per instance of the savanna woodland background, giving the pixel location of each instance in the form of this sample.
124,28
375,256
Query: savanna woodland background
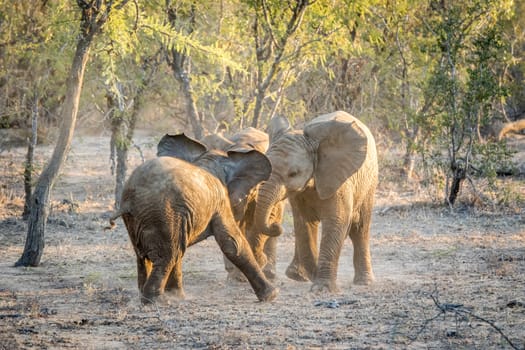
88,87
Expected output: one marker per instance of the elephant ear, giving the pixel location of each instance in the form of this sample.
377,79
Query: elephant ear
342,150
246,170
180,146
276,127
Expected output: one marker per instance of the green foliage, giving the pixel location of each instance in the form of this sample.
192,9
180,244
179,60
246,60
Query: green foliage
36,44
492,158
432,75
464,87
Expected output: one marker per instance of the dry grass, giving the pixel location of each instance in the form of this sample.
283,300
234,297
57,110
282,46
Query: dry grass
84,294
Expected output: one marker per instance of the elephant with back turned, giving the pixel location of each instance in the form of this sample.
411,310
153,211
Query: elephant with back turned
329,173
263,246
182,197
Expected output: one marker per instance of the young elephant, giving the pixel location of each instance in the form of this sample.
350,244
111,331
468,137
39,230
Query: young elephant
329,173
182,197
264,247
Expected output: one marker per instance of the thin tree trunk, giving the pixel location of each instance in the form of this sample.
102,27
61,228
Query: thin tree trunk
258,106
236,99
122,148
119,144
409,161
191,105
264,54
458,178
180,64
28,168
34,245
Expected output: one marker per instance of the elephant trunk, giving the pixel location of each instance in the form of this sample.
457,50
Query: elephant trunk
270,193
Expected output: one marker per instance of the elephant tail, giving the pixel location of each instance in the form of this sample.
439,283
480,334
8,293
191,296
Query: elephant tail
112,219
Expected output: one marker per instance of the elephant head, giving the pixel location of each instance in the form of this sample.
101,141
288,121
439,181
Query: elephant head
331,149
239,170
216,141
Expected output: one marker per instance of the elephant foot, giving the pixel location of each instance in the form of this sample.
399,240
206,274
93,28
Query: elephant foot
297,273
364,279
236,276
268,294
324,286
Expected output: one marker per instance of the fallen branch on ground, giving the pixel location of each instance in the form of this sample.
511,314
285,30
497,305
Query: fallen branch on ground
463,313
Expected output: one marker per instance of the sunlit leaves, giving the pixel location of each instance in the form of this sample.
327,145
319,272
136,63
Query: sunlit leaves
465,82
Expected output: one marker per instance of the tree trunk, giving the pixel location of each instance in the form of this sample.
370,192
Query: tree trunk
238,107
34,245
121,142
180,63
258,106
191,105
266,50
123,124
460,174
409,159
28,167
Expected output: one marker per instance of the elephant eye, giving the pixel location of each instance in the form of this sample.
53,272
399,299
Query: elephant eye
293,173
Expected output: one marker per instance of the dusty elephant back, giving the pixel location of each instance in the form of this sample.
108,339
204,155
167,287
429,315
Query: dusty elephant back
250,138
165,188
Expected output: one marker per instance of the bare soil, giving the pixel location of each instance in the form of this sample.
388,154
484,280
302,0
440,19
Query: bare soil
444,278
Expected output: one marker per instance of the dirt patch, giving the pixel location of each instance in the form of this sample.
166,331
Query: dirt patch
443,279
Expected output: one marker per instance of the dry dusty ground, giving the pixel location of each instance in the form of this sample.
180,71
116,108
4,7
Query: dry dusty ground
444,279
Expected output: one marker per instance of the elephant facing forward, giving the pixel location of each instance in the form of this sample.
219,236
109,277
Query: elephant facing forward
182,197
329,174
263,247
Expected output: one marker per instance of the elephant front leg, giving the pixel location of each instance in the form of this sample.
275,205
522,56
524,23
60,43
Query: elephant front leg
236,248
330,250
304,264
264,250
234,274
270,245
270,251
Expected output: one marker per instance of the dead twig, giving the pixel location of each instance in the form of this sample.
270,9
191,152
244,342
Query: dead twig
463,313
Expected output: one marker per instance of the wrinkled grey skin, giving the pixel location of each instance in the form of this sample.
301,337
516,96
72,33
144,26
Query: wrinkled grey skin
182,197
263,246
329,173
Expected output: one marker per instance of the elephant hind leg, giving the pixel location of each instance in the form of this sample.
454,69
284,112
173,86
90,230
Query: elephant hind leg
174,283
159,263
142,276
144,267
156,282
